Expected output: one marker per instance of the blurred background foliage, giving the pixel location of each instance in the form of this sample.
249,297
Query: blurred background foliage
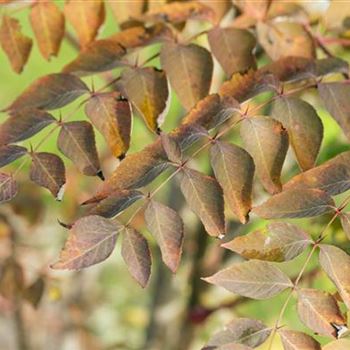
101,307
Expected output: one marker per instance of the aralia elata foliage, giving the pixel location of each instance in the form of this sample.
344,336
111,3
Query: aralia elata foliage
237,34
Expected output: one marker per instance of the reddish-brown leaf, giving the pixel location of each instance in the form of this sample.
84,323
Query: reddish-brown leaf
333,176
293,340
233,48
279,242
85,17
247,332
115,203
171,148
297,203
283,39
10,153
267,142
8,187
24,124
336,263
304,127
76,141
147,89
319,311
234,169
50,92
205,198
111,115
16,45
99,56
90,241
48,26
11,279
253,279
335,96
189,69
47,170
137,256
177,12
167,227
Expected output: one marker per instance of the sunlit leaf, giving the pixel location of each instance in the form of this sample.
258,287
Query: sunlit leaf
47,170
205,198
171,148
147,89
76,141
34,292
234,169
177,12
319,311
137,256
336,263
297,203
50,92
345,222
23,124
253,279
48,26
90,241
293,340
124,10
16,45
335,96
85,17
189,69
333,176
340,344
233,48
167,227
10,153
245,331
279,242
99,56
336,15
281,39
304,128
8,187
111,115
115,203
267,142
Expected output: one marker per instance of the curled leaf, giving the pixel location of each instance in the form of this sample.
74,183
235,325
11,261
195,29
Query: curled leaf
90,241
16,45
297,203
253,279
8,187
